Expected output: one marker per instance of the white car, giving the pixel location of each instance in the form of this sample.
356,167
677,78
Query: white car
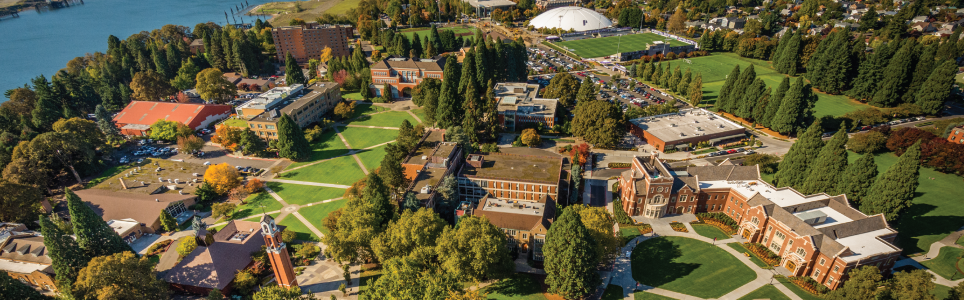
207,163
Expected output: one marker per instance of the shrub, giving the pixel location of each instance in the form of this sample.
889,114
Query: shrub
867,142
159,247
763,253
677,226
808,284
186,245
903,138
620,214
718,217
619,165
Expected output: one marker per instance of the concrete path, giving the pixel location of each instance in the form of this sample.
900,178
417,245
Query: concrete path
415,116
935,250
340,186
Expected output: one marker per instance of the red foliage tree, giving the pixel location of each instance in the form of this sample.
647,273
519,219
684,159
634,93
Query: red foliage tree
340,76
903,138
254,87
243,86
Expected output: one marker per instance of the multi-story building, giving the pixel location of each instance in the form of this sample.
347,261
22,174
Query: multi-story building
681,129
24,257
525,223
403,74
304,106
818,235
957,135
306,42
510,177
431,161
518,105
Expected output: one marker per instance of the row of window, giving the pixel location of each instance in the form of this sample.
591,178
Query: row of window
265,126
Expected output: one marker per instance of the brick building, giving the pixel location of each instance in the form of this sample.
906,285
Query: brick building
24,257
137,117
403,74
306,41
818,235
520,107
431,161
688,126
957,135
525,223
303,105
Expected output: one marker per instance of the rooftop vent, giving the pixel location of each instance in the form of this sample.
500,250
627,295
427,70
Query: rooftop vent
426,189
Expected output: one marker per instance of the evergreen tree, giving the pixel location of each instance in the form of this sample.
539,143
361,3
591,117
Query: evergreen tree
430,50
795,166
632,71
647,71
293,73
894,190
93,234
435,39
859,177
791,113
789,59
416,45
13,289
829,68
784,40
106,125
896,77
186,76
587,91
168,221
66,257
174,56
828,170
739,89
870,73
365,90
684,84
775,102
724,95
674,79
665,76
696,91
47,108
482,69
869,19
750,99
448,111
570,258
468,80
948,49
937,88
657,73
925,66
160,62
216,55
760,109
291,140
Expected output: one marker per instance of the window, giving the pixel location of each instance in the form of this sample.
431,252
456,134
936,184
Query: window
524,235
780,235
660,189
816,274
836,269
769,228
765,240
775,247
790,243
829,280
682,198
822,260
801,252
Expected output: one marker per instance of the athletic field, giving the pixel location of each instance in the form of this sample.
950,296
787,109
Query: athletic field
607,46
716,67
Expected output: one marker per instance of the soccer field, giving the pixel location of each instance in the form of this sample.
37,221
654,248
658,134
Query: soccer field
607,46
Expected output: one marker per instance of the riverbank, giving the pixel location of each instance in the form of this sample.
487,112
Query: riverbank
283,12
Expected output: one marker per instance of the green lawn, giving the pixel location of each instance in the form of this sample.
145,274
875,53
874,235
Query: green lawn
716,67
352,96
253,205
296,225
650,296
342,7
385,119
756,260
945,264
607,46
941,291
342,170
613,292
361,138
330,145
364,109
317,212
796,290
425,32
960,241
255,218
766,292
420,112
304,194
710,231
936,209
372,158
107,174
518,286
688,266
236,123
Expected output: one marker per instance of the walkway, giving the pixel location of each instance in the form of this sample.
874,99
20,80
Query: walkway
935,250
622,274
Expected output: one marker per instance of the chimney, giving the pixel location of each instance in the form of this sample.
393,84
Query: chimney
475,160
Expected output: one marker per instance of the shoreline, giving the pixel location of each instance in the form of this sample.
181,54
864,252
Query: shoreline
249,11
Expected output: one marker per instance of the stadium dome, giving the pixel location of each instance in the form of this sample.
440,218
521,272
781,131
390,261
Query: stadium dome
571,17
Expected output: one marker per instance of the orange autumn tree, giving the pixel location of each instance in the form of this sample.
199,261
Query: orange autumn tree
254,185
580,152
222,178
227,136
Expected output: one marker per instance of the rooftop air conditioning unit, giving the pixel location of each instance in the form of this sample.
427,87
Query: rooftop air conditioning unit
426,189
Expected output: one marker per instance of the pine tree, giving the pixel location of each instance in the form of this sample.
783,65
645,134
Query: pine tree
896,77
683,86
794,167
647,71
739,89
47,108
570,258
724,95
894,190
784,40
160,62
789,61
674,80
750,99
448,111
293,74
859,177
468,80
657,73
430,50
587,91
775,102
174,56
93,234
66,257
665,76
168,221
925,65
416,45
632,71
482,69
365,90
829,68
789,117
762,103
870,73
696,91
106,124
291,140
828,170
937,88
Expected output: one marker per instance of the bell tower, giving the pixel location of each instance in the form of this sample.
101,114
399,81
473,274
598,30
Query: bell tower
284,273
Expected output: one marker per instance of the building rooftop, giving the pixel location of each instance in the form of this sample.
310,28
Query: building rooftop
215,266
867,244
685,124
519,215
782,197
180,175
122,226
830,215
295,101
24,267
526,168
271,98
426,64
514,207
520,98
490,3
148,112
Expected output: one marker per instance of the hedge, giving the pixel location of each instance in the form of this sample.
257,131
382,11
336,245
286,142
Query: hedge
719,218
620,214
763,253
619,165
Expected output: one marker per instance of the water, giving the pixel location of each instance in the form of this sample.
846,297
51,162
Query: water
42,42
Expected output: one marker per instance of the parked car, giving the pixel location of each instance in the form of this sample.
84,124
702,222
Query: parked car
731,151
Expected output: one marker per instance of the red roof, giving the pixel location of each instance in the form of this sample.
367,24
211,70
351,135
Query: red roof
148,112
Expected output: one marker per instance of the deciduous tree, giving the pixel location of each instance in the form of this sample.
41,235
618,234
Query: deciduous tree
864,282
222,178
150,86
474,250
189,144
19,203
916,284
212,86
414,230
530,137
120,276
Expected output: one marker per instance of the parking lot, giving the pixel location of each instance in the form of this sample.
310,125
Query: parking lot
211,155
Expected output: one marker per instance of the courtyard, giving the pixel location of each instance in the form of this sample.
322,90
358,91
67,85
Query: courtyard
688,266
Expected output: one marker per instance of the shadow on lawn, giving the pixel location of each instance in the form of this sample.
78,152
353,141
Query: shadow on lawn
913,223
517,285
659,254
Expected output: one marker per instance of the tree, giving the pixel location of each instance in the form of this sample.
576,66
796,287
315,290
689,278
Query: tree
84,131
291,140
222,178
150,86
293,73
288,236
18,290
896,77
728,86
365,89
587,91
957,292
830,68
345,110
212,86
695,92
863,283
223,209
566,88
412,278
168,221
226,136
120,276
186,245
740,87
215,294
362,219
598,122
828,169
449,107
19,203
186,76
870,73
916,284
789,60
164,130
107,126
894,190
869,19
530,137
793,108
599,224
325,55
251,144
570,257
474,250
189,144
276,292
796,163
676,22
414,231
858,178
47,109
937,88
66,257
93,234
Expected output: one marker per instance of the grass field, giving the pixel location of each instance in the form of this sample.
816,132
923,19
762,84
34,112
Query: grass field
372,158
316,213
385,119
518,286
607,46
756,260
364,109
688,266
716,67
420,112
327,147
425,32
941,291
236,123
352,96
253,205
342,7
710,231
945,264
342,170
297,226
650,296
304,194
613,292
766,292
796,290
361,138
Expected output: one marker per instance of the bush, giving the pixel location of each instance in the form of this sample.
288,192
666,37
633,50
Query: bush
159,247
620,214
767,162
903,138
619,165
867,142
763,253
223,209
186,246
677,226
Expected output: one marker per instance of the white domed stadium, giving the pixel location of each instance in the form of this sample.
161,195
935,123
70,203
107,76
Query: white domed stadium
571,17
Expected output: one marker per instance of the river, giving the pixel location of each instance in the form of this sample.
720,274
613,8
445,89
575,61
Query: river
41,42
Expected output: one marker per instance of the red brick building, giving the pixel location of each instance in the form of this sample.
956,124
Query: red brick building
306,41
957,135
137,117
819,236
688,126
403,74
